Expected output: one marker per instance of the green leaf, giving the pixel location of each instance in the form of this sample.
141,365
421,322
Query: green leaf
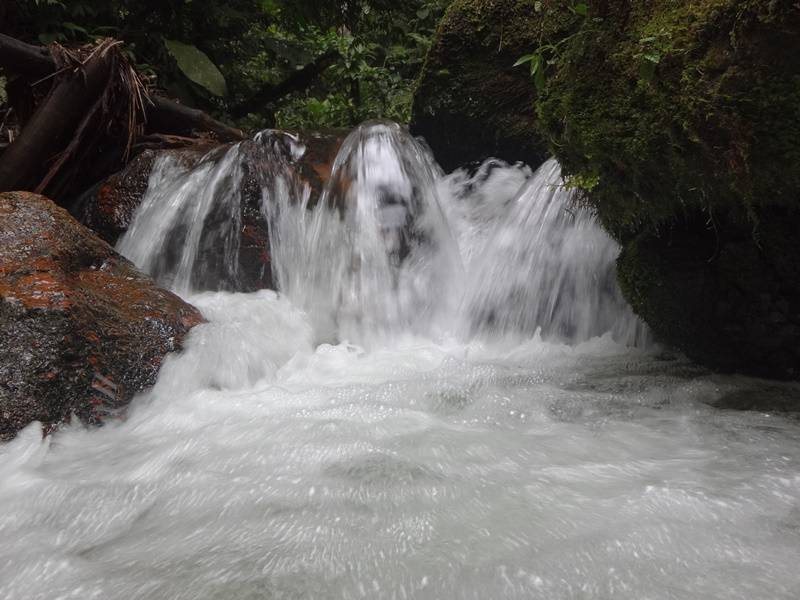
653,57
196,65
581,9
524,59
74,27
536,64
537,6
48,38
539,79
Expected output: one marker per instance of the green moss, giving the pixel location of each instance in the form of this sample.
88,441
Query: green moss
470,101
714,126
680,122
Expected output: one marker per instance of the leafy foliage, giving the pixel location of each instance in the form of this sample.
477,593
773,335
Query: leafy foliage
196,65
216,55
550,53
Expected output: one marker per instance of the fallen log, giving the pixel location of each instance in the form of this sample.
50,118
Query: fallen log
162,115
167,116
24,59
52,126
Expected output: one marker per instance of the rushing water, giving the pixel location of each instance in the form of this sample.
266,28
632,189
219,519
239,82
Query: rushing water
448,399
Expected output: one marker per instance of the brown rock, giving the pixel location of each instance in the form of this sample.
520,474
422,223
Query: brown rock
109,211
81,330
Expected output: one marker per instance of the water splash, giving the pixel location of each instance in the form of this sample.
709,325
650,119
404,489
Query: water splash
403,266
392,248
189,231
172,229
546,265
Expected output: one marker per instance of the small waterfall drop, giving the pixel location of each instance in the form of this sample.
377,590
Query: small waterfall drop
203,226
389,424
171,231
545,264
403,268
390,247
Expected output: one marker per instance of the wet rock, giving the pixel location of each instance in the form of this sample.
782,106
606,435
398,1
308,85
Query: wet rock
81,330
108,209
725,301
761,396
111,208
471,103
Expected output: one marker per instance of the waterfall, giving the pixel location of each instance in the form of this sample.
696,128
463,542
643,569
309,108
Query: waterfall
439,401
391,247
546,265
188,220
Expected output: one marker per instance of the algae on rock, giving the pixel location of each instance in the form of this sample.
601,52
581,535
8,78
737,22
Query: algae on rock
680,123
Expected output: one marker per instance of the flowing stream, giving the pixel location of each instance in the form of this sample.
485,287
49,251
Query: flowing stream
447,398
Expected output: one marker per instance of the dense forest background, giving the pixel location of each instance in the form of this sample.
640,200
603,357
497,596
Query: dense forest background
255,63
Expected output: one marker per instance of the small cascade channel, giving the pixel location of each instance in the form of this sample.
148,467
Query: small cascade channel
446,397
392,247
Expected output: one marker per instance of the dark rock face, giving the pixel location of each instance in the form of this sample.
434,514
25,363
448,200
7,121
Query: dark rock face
680,124
725,301
108,210
471,103
81,330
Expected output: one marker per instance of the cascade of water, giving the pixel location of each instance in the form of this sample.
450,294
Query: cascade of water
544,263
392,247
188,232
403,266
171,228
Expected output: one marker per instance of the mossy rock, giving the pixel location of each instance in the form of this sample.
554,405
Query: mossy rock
685,118
727,302
471,102
679,121
670,107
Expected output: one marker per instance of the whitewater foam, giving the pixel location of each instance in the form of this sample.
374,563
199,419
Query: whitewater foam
447,399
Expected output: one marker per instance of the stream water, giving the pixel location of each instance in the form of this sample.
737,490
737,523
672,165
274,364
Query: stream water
448,398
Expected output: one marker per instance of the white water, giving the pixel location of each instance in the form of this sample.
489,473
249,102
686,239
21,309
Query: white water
438,446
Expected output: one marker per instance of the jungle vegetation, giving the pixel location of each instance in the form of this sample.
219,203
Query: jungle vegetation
254,63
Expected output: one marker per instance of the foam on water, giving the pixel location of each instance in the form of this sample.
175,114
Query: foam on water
359,437
262,467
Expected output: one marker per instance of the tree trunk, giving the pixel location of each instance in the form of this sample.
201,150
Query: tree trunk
296,82
168,116
24,59
50,128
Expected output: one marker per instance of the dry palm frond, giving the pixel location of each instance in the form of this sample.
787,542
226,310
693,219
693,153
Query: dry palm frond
118,112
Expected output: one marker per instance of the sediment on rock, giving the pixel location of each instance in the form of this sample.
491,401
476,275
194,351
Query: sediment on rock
81,330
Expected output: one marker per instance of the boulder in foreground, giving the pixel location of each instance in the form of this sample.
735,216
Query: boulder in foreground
81,330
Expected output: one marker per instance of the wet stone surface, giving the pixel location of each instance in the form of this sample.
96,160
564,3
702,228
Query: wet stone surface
81,330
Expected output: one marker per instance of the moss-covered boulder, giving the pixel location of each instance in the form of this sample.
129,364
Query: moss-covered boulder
680,122
667,107
729,303
471,102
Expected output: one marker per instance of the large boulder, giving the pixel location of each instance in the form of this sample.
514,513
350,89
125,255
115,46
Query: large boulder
471,102
727,302
81,330
679,123
108,208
